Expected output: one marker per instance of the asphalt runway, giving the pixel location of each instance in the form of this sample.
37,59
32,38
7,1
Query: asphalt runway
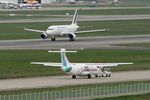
58,81
73,8
81,18
99,42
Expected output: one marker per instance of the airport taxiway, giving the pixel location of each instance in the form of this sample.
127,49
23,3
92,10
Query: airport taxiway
99,42
81,18
58,81
73,8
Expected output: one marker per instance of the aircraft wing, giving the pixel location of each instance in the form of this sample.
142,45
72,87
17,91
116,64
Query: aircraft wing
100,30
48,64
103,64
33,30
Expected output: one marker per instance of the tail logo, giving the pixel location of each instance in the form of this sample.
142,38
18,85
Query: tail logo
67,69
74,21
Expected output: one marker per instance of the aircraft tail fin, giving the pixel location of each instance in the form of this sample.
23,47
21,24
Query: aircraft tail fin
64,59
75,17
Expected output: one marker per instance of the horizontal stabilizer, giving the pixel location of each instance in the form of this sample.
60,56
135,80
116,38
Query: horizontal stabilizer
63,50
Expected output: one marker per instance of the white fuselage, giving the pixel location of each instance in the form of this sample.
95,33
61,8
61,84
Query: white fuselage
61,30
82,70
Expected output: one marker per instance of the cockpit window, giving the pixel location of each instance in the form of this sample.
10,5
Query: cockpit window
50,29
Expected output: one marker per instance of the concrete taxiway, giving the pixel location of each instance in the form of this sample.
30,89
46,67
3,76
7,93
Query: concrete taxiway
73,8
99,42
58,81
81,18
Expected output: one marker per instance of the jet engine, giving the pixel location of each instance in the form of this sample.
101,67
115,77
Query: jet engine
44,35
72,36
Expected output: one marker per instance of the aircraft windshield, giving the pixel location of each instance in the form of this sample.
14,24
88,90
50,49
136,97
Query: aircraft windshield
50,29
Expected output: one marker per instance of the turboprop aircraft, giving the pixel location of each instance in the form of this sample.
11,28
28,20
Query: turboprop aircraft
63,30
81,69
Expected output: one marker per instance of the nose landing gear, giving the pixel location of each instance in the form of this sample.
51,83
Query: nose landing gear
53,39
106,74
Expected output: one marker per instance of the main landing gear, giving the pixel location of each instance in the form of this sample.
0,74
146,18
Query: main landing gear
105,74
53,39
73,76
71,39
89,76
96,75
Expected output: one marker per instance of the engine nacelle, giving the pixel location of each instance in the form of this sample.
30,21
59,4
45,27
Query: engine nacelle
72,36
44,35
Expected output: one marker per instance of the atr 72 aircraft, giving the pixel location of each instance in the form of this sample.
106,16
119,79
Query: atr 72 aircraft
81,69
63,30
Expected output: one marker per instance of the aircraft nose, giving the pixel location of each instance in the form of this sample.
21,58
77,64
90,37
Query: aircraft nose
48,31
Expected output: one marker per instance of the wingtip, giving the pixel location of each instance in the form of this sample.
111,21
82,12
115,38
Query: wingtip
31,62
107,29
25,28
49,51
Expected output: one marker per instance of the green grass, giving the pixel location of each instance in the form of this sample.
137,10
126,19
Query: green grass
16,63
91,11
131,97
4,15
130,27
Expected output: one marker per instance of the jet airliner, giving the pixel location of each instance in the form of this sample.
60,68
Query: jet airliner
81,69
63,30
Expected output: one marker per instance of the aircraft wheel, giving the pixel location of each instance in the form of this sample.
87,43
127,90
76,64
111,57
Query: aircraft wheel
96,75
89,76
106,75
73,76
102,75
71,39
53,39
109,75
